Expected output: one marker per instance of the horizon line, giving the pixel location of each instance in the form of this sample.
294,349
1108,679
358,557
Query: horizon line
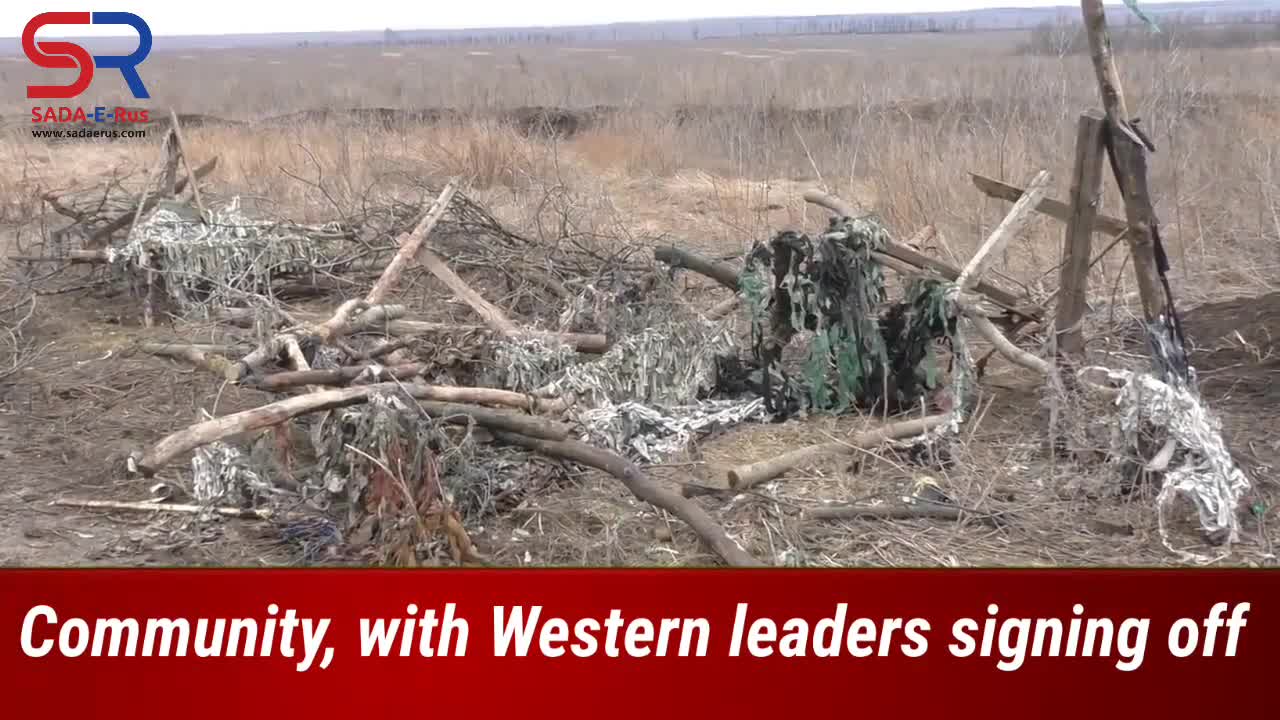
659,21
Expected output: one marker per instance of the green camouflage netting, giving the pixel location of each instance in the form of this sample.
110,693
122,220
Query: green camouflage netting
834,288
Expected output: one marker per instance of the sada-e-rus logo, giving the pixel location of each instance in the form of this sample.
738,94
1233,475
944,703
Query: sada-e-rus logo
62,55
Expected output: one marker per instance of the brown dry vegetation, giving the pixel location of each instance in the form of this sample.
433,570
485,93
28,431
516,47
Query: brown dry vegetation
713,146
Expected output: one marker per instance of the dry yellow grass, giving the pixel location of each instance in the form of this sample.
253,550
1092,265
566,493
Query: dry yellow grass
916,114
714,146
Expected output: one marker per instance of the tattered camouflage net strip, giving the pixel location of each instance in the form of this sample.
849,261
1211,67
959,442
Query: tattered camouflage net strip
645,397
640,431
834,287
223,474
204,267
1208,475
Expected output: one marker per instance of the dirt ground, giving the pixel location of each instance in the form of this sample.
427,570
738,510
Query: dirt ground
70,418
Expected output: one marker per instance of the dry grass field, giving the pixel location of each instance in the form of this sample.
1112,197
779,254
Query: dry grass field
710,146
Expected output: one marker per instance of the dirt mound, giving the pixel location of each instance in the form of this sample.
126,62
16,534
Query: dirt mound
1235,348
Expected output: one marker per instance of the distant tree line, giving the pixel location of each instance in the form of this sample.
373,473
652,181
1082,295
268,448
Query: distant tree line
1058,35
1066,36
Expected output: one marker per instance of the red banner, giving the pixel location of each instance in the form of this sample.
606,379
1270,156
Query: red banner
638,643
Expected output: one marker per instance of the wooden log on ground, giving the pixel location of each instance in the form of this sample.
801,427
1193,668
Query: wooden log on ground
643,488
900,511
1048,206
208,357
277,382
722,273
745,476
282,381
885,512
1077,243
434,399
248,513
375,319
74,257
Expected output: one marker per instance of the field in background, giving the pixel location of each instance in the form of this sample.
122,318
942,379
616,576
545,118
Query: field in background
894,122
713,145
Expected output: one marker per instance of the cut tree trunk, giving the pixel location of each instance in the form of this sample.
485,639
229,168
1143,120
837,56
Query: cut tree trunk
220,428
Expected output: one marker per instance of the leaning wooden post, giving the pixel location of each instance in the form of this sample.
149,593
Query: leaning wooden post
1128,149
1077,246
186,163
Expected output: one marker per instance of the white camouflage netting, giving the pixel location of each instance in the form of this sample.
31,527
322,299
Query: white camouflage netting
218,263
1208,475
641,397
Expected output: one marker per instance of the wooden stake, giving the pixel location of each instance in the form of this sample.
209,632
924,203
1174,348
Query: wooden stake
1129,163
410,245
1017,218
148,302
169,187
492,316
186,163
103,235
1086,192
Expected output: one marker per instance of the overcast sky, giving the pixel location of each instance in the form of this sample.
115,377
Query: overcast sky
190,17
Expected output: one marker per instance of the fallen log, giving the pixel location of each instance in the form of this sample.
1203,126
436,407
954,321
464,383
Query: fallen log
745,476
277,382
209,357
643,488
434,399
897,511
885,512
70,256
247,513
678,258
376,319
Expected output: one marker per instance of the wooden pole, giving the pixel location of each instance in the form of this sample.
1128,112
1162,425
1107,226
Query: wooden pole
1053,208
1086,192
1016,219
186,163
1129,163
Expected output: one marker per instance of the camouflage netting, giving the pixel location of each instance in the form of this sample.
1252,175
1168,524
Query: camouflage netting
207,266
399,473
861,353
650,393
1167,400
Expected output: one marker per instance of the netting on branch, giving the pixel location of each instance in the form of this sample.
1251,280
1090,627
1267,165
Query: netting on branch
861,351
205,266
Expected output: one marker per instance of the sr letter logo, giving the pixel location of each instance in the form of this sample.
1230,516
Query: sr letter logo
70,56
